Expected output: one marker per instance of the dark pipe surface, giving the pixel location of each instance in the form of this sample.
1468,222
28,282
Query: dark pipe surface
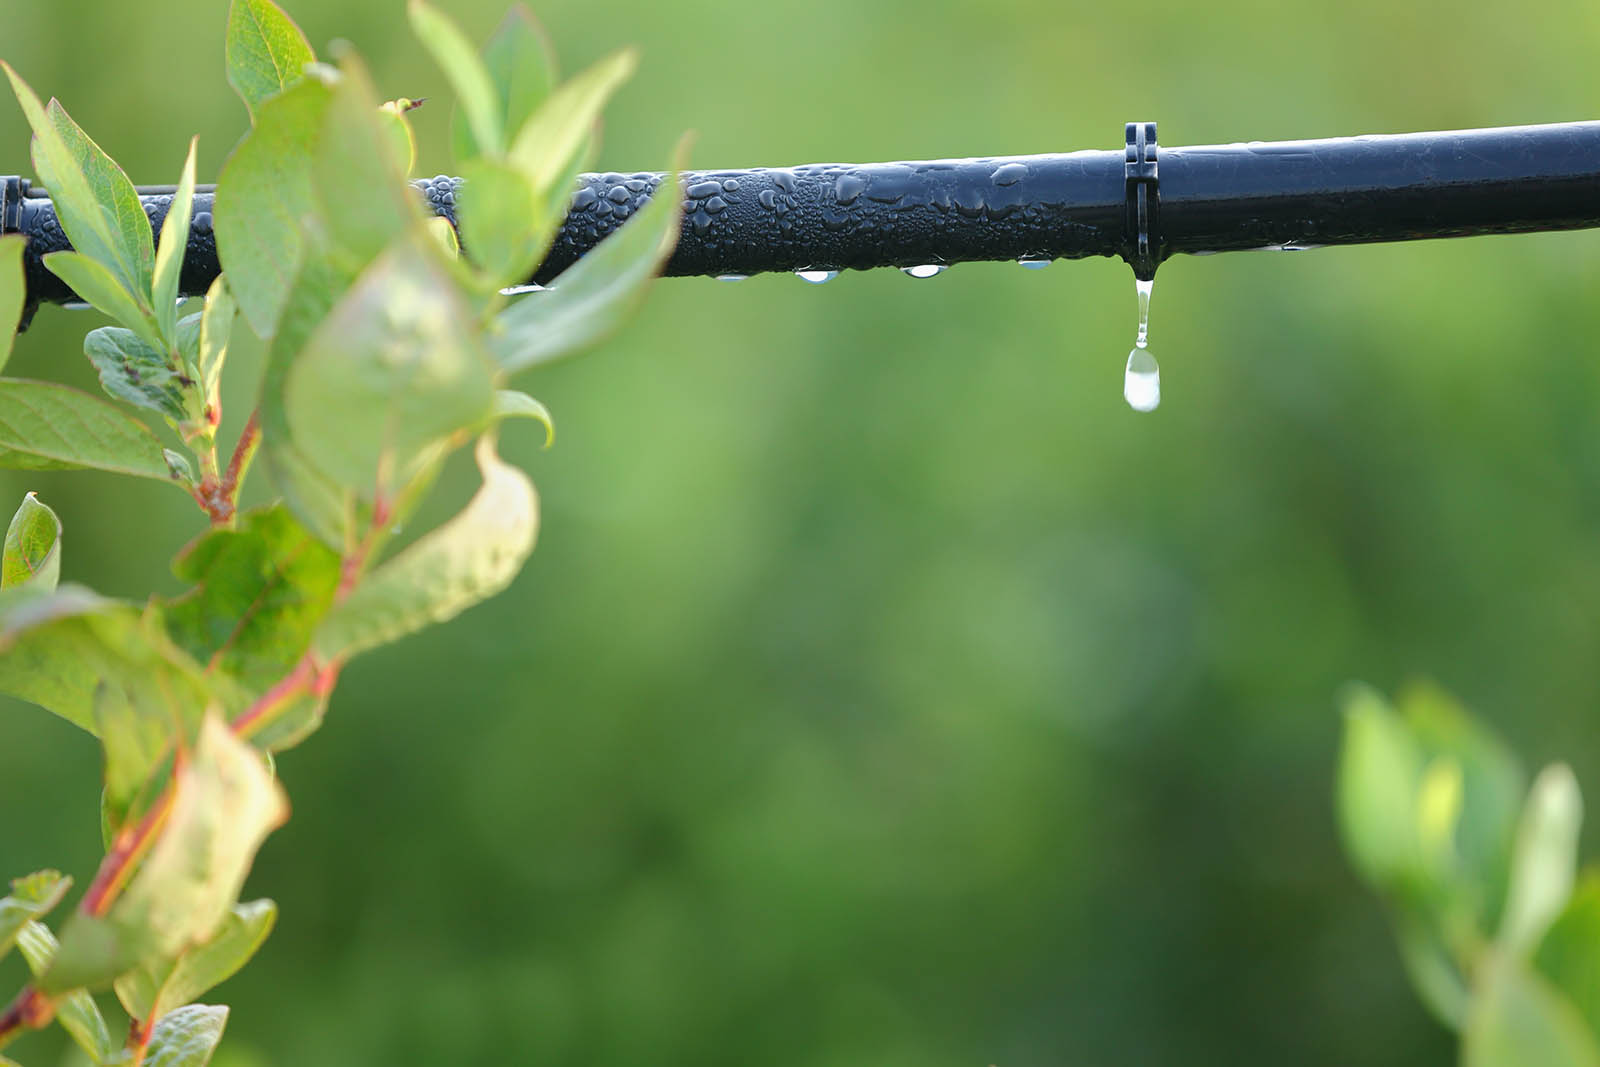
1214,198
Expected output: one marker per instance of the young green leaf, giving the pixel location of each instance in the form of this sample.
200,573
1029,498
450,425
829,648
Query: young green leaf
31,897
13,291
186,1037
394,368
1517,1018
1433,972
1569,955
594,295
76,1011
45,426
259,591
157,987
506,228
96,285
170,250
96,204
33,547
558,131
225,803
1544,862
397,127
510,404
266,52
131,371
1492,786
216,328
467,560
264,196
459,61
522,67
1379,768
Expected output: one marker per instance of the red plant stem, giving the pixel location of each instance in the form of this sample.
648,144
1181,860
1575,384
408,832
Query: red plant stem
129,847
29,1011
243,453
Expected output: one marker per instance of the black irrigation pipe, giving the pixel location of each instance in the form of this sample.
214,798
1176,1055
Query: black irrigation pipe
1139,203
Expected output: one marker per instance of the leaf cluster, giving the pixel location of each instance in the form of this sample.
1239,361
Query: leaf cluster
391,344
1498,931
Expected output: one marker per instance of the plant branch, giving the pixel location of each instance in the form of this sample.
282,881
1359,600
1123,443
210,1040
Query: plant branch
243,453
129,847
31,1010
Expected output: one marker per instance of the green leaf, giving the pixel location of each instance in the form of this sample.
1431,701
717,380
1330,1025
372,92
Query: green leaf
506,227
454,54
264,195
559,130
58,647
1492,785
394,368
522,68
225,803
1545,859
33,547
510,404
13,291
157,987
45,426
76,1011
1379,767
266,52
467,560
186,1037
96,284
1518,1019
96,204
363,200
170,250
1433,972
133,372
31,898
260,590
216,328
321,505
592,297
1569,955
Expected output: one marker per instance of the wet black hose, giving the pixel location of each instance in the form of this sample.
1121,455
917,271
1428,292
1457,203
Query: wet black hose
1214,198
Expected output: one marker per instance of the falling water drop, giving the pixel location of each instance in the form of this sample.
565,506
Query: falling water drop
1034,264
732,277
925,270
816,277
1141,380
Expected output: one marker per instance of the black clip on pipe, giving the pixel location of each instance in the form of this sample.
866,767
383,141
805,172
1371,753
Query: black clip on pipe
1142,179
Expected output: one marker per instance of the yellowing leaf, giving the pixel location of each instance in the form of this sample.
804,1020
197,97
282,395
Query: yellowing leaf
467,560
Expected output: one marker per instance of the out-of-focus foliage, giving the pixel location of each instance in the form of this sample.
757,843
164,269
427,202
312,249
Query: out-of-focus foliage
1479,880
883,691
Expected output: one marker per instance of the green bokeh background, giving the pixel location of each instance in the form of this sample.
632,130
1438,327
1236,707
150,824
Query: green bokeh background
883,691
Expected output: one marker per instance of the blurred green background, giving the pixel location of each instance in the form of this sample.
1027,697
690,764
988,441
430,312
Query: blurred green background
883,690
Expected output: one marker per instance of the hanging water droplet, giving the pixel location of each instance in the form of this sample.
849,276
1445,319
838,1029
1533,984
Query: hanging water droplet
1141,380
816,277
1034,264
925,270
1144,287
732,277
